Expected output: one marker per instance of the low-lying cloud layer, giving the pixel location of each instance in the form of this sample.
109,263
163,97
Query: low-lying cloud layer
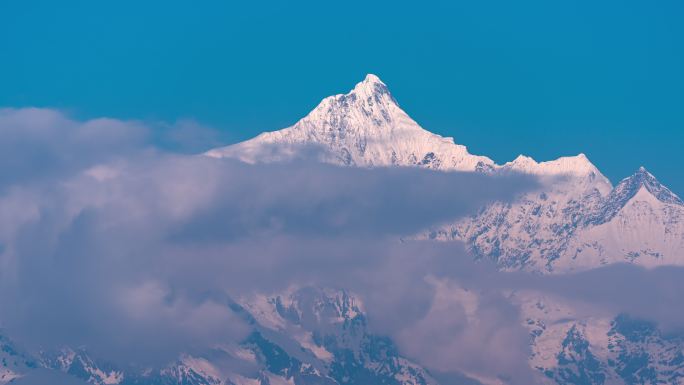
134,252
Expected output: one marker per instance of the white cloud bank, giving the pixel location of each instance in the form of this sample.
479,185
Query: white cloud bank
110,243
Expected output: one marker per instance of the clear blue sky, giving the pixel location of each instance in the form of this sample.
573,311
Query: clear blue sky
544,78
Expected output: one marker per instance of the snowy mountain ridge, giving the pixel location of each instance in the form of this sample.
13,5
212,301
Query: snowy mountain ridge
366,127
307,336
570,224
313,336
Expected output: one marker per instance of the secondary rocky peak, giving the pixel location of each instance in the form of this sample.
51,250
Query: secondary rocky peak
628,189
523,159
643,178
575,166
571,165
578,164
522,163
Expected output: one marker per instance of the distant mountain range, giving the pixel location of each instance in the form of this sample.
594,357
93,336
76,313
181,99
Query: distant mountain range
576,221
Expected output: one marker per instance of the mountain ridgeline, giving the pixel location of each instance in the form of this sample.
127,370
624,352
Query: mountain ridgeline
577,221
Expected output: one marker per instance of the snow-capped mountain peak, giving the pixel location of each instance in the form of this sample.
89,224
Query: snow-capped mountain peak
640,183
644,178
629,186
370,86
365,127
576,221
371,78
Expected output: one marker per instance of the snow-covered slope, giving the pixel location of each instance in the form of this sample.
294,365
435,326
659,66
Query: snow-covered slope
641,221
533,232
579,223
572,350
328,330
